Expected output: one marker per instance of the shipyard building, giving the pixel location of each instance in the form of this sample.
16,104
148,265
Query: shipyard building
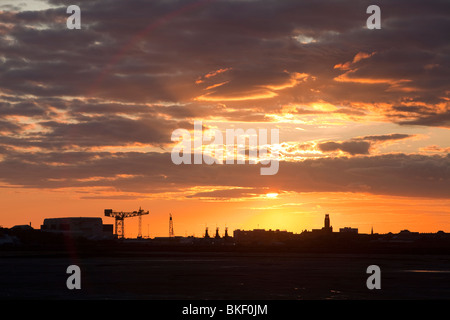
81,227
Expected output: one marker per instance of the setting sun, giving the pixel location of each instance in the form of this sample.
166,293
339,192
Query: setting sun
272,195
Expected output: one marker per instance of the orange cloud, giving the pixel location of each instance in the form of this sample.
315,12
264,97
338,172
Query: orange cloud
216,85
250,96
294,79
362,55
211,74
345,78
358,57
260,92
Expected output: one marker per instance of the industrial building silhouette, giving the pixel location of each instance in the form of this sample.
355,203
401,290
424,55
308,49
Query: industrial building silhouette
53,231
87,227
94,228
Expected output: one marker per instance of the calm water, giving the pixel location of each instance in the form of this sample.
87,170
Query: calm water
227,276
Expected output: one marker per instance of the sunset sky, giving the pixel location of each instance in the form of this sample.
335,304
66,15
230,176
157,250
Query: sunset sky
86,116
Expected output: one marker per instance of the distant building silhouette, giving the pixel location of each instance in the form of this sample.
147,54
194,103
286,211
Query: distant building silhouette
226,233
327,228
22,227
262,236
327,221
171,233
206,233
348,230
217,233
83,227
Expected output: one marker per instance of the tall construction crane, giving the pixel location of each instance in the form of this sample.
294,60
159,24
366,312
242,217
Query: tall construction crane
120,220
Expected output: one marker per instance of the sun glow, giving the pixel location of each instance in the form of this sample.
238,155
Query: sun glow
272,195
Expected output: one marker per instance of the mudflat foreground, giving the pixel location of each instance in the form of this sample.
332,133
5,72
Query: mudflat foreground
225,275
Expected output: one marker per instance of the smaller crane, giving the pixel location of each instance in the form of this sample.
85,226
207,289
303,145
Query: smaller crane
171,234
120,223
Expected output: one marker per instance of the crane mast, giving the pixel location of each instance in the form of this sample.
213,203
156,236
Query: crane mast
171,234
120,216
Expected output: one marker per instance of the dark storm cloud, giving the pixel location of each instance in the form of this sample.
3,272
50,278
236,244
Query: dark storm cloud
99,123
360,145
129,75
113,130
386,137
351,147
433,119
8,126
25,108
229,193
422,114
152,51
393,174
